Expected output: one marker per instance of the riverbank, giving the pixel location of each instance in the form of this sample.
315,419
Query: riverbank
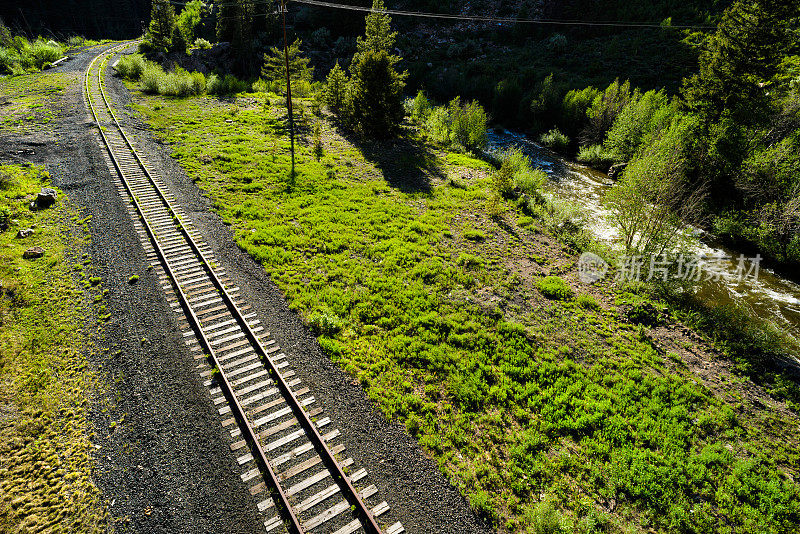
448,319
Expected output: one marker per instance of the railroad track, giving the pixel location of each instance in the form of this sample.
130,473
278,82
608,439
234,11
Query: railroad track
300,478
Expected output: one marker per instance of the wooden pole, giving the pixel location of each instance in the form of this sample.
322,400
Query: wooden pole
288,83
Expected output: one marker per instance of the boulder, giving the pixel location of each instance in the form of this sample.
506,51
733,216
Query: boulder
33,253
616,170
27,232
46,198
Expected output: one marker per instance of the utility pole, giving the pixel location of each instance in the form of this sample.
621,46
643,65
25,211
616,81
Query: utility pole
288,82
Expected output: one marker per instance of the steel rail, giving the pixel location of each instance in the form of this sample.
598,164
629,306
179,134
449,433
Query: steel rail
351,494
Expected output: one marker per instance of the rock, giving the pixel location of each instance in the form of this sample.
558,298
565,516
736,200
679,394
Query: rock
46,198
33,253
22,234
32,206
616,170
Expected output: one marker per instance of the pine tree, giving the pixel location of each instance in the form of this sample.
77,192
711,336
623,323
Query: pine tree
741,58
162,25
335,89
379,35
275,64
374,102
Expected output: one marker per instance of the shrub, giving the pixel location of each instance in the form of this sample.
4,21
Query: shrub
516,171
604,110
596,157
503,180
637,123
224,86
202,44
545,519
45,52
574,107
419,108
555,140
646,206
437,126
588,302
130,66
469,126
324,323
554,288
151,75
260,86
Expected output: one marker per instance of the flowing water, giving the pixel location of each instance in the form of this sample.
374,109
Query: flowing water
726,275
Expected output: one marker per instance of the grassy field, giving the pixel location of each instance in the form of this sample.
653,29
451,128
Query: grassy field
541,402
45,385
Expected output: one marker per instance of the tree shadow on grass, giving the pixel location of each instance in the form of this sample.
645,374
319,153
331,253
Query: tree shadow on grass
407,164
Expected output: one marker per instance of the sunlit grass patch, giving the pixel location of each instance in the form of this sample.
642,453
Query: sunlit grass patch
45,385
34,100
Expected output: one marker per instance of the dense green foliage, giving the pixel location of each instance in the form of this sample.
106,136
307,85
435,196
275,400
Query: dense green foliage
18,55
458,126
162,26
153,79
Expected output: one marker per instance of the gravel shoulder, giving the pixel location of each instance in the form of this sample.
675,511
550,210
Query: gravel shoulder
419,494
163,461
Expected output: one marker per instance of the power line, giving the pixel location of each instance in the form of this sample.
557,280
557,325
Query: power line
499,20
470,18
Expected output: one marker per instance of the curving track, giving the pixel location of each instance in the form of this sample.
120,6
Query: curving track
299,476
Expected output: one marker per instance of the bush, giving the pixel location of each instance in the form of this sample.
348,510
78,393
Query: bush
261,86
229,84
131,66
419,108
555,140
437,126
45,52
554,288
636,125
149,80
604,110
516,171
596,157
202,44
469,126
587,302
20,56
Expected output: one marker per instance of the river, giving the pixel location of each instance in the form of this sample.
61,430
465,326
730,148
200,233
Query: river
767,296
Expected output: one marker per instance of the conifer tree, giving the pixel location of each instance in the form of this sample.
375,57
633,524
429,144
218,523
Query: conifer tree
374,103
162,25
335,90
275,64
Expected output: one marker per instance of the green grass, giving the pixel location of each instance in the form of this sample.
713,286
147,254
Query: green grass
45,468
35,101
518,398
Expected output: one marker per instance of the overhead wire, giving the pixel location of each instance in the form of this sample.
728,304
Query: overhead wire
465,18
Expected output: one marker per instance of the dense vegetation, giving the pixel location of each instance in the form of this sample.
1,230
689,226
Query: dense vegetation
18,55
